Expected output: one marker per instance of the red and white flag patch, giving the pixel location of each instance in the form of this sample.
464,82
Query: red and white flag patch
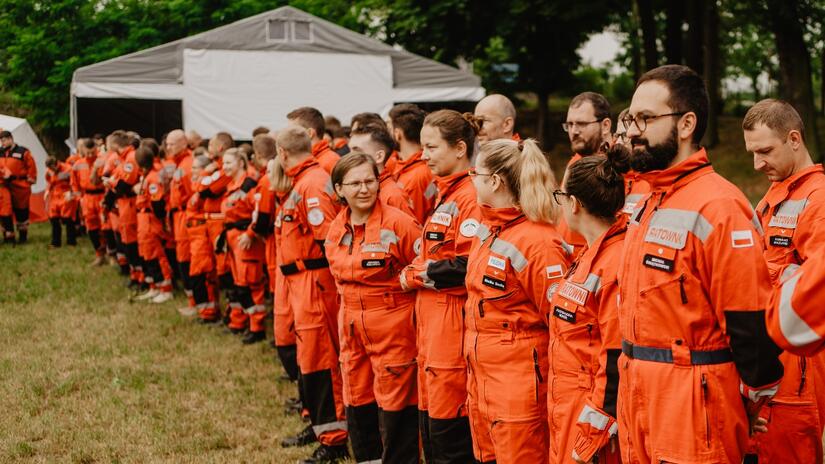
741,238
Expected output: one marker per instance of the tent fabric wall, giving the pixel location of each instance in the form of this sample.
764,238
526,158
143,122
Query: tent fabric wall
24,135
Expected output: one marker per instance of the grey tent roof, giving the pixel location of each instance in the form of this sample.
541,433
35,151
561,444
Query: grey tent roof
164,64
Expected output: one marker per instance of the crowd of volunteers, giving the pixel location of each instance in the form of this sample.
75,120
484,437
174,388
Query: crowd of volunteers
439,293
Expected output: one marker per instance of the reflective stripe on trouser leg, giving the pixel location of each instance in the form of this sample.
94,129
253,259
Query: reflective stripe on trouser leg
362,426
319,399
399,433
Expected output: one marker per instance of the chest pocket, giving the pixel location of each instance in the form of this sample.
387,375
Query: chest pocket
376,261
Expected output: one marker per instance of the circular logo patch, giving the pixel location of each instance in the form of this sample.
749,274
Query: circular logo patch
315,216
469,227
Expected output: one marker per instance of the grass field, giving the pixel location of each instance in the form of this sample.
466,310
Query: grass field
87,377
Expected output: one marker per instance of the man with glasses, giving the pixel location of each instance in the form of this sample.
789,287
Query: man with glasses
697,361
497,117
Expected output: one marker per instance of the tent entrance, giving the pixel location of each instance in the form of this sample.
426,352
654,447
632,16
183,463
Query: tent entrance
149,118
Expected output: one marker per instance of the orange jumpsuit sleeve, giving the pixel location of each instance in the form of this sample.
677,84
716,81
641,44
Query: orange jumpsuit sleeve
31,167
214,185
408,231
795,317
545,271
734,271
597,418
318,208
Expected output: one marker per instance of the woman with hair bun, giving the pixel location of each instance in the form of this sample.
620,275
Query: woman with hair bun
448,139
515,262
585,341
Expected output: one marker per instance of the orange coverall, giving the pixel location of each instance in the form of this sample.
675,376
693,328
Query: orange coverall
377,332
125,176
19,173
416,180
512,268
205,261
304,220
91,197
438,274
180,189
391,194
584,351
693,283
151,214
325,156
61,210
792,214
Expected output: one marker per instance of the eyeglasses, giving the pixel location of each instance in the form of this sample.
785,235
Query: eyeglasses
641,120
369,184
570,125
472,172
557,193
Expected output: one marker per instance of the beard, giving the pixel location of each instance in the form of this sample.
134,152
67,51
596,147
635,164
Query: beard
654,157
585,147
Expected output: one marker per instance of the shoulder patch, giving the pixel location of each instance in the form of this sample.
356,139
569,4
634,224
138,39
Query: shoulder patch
469,227
153,189
128,167
417,246
551,291
741,238
313,202
555,271
315,217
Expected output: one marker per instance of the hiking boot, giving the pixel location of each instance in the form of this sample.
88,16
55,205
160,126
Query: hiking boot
99,261
162,297
328,454
254,337
187,311
148,295
304,438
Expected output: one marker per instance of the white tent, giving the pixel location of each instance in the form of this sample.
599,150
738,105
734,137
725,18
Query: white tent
254,71
25,136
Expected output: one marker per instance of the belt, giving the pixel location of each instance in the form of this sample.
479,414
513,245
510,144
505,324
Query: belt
213,216
240,224
665,355
94,191
304,265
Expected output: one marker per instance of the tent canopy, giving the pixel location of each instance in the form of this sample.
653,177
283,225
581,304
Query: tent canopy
272,63
24,136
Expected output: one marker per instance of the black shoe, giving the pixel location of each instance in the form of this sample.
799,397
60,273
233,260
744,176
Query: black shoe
254,337
203,321
328,454
235,331
304,438
133,285
23,236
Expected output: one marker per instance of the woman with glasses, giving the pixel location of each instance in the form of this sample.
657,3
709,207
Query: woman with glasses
448,139
585,341
515,263
367,246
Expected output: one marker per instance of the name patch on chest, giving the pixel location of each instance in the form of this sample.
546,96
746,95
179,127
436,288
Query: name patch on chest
788,221
780,241
497,263
674,238
369,263
563,314
492,282
574,293
435,236
658,262
443,219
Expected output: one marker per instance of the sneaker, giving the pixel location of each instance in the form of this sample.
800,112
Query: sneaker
99,261
148,295
304,438
187,311
162,297
112,261
254,337
328,454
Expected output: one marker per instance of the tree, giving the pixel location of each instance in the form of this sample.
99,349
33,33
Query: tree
673,32
643,10
712,72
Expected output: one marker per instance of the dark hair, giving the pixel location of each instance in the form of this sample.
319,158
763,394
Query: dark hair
120,138
598,182
409,118
144,156
778,115
97,136
50,162
362,119
260,130
89,144
687,93
152,145
378,134
225,139
347,163
601,107
455,127
309,118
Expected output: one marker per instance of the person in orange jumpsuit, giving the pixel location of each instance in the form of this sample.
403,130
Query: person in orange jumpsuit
202,267
58,198
497,117
516,259
150,204
19,173
304,221
122,182
180,189
313,121
792,214
375,141
585,341
206,263
245,251
438,274
91,195
697,363
110,227
367,246
795,318
411,172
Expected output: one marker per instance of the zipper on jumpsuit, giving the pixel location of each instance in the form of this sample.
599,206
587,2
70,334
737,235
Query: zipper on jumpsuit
705,400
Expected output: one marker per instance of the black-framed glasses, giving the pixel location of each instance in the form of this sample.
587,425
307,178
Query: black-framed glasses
472,173
557,193
570,125
641,120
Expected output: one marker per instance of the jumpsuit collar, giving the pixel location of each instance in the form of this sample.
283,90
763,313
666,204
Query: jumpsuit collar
319,147
296,171
779,191
501,218
448,184
235,184
385,175
676,176
402,165
372,228
180,156
610,236
392,162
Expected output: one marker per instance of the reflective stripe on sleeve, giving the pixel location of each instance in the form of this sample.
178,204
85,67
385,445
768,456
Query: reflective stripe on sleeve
794,329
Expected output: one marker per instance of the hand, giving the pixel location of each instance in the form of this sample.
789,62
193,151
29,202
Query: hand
403,279
244,242
98,163
760,425
67,196
31,181
210,168
136,189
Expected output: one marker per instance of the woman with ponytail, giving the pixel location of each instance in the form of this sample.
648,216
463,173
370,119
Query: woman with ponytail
515,263
448,139
586,344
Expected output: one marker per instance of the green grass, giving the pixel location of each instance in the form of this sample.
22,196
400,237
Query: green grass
86,376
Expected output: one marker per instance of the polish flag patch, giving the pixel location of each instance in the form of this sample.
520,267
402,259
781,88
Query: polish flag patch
741,238
554,272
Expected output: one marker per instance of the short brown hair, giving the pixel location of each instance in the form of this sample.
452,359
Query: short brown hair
347,163
778,115
601,107
264,146
119,138
378,134
309,118
363,119
225,140
409,118
259,130
455,127
688,93
295,140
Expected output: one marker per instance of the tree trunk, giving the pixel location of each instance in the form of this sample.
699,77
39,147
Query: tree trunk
635,44
756,94
712,73
694,14
644,10
795,67
673,33
543,116
822,82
